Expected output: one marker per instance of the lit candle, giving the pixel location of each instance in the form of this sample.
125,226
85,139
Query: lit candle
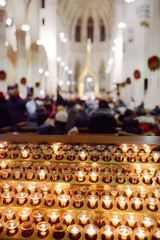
155,157
59,155
66,147
49,199
42,229
82,156
33,146
131,220
115,220
17,174
58,189
141,233
119,157
78,148
32,188
6,187
93,176
67,175
24,215
124,232
129,192
124,148
113,168
42,174
113,192
107,232
137,203
68,218
25,153
63,200
143,157
107,201
107,156
45,189
11,227
131,157
83,218
107,177
47,154
134,178
3,153
156,234
5,173
21,198
112,148
8,197
99,219
89,148
55,147
91,231
80,176
138,169
153,170
58,230
9,214
2,146
142,193
147,178
38,216
122,202
92,201
152,204
136,149
36,153
27,229
94,156
22,146
147,222
30,174
53,217
71,155
148,149
19,187
158,177
3,165
156,193
35,198
74,232
78,201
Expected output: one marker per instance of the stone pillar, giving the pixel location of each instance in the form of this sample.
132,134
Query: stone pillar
21,61
3,83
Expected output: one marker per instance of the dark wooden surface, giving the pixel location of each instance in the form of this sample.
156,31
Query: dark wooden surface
81,138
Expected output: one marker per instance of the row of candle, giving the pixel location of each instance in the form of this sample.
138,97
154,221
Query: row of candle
90,231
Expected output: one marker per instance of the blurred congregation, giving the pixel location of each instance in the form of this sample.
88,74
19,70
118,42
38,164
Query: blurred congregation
74,116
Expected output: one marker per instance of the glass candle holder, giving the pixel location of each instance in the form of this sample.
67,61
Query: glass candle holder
33,146
122,202
131,220
78,148
21,198
68,218
13,154
71,155
45,189
115,220
25,153
128,192
101,168
78,201
75,167
134,178
30,173
9,214
137,203
42,229
91,232
107,177
12,146
100,191
66,147
124,148
138,169
63,200
156,193
107,232
1,226
55,175
155,157
6,187
153,170
93,176
100,147
5,173
67,175
124,232
74,231
141,233
80,176
59,155
113,192
92,201
53,217
35,198
27,229
36,153
73,190
136,148
119,157
113,168
152,204
8,197
14,165
3,153
158,177
22,146
32,188
143,193
51,166
112,148
55,147
38,216
148,149
126,169
99,219
38,166
82,156
47,154
26,165
143,157
42,174
120,178
17,174
3,165
86,190
83,218
62,167
94,155
147,178
44,146
147,222
107,201
49,199
59,189
156,234
87,167
11,227
19,187
24,215
89,148
59,230
131,157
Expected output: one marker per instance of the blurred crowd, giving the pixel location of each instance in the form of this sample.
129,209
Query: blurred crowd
70,117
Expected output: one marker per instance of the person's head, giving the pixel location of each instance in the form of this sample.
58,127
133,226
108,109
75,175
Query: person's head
103,104
61,116
129,113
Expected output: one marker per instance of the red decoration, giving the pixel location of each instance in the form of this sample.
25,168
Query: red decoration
153,63
23,81
123,84
137,74
2,75
37,84
128,81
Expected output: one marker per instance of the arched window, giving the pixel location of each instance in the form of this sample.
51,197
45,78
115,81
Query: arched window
42,3
90,29
78,31
102,31
145,84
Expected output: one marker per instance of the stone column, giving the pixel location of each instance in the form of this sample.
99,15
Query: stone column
21,61
3,83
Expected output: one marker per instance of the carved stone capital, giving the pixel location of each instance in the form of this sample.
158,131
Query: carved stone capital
34,47
20,34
